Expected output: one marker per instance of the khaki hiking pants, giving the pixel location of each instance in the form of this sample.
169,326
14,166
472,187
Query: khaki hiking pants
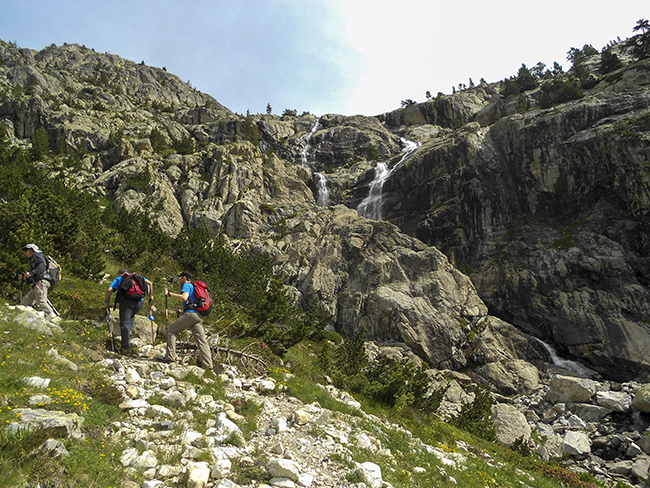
38,296
194,321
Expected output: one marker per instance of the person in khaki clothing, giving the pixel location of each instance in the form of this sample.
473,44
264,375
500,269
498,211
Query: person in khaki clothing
38,277
190,318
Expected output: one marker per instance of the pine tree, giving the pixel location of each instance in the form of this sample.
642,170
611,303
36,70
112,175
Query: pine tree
40,143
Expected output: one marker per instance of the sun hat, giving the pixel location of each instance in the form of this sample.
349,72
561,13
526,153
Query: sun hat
33,247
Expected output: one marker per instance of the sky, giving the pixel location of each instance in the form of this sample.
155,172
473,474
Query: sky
346,57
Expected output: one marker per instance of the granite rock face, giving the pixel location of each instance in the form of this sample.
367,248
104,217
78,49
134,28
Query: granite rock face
538,216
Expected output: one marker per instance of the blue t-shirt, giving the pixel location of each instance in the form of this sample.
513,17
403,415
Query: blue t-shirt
116,284
188,305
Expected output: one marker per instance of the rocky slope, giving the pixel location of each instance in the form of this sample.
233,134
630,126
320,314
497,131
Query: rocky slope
174,434
545,210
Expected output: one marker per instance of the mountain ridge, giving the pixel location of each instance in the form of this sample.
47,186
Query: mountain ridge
511,221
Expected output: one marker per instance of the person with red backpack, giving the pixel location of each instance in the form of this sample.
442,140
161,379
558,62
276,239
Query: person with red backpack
192,318
130,291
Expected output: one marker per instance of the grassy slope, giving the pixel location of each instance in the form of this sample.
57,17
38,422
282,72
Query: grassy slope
87,393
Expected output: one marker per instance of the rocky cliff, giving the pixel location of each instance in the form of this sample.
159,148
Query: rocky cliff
504,214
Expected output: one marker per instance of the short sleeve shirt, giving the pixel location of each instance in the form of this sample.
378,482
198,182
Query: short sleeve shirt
191,299
116,283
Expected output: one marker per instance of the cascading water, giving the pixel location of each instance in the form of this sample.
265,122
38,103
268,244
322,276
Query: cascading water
371,206
304,154
321,182
323,193
563,363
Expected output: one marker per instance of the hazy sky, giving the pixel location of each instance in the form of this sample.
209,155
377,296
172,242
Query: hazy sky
325,56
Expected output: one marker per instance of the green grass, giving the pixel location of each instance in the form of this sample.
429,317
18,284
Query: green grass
93,461
479,463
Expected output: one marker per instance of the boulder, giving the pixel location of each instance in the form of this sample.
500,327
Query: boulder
576,444
509,424
641,399
565,389
63,424
614,400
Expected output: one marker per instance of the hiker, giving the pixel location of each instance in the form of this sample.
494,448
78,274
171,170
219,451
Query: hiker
131,290
37,275
190,318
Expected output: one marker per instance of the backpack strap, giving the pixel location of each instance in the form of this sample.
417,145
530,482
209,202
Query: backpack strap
119,292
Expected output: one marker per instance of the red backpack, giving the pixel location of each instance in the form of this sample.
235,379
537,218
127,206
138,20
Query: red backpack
132,287
203,298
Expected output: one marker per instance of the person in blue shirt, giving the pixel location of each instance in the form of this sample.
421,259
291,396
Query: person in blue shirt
128,308
191,319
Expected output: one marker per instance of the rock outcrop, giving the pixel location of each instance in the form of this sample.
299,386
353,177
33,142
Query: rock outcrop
174,432
545,210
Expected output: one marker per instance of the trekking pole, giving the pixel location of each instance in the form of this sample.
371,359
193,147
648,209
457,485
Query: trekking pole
166,313
153,342
47,299
110,332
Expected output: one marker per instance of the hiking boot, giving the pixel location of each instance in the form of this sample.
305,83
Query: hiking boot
125,352
163,359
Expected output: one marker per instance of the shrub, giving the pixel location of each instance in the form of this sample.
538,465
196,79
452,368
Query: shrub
371,152
559,91
157,140
40,144
609,62
476,417
524,81
250,131
387,381
184,146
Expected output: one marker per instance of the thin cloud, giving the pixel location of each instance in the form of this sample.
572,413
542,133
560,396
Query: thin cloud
336,56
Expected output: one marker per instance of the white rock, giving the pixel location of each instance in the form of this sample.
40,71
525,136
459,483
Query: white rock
267,385
132,377
152,484
279,424
189,437
221,468
371,473
614,400
198,474
362,441
283,468
167,382
576,444
37,382
225,425
306,480
146,460
129,456
156,411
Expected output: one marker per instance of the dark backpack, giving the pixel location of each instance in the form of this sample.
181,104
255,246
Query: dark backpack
53,270
132,287
204,302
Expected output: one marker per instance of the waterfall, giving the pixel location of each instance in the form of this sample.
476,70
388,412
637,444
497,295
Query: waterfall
323,198
371,206
304,153
323,193
564,363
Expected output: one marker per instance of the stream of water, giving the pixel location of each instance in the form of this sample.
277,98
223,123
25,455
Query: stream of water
323,197
564,363
372,206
